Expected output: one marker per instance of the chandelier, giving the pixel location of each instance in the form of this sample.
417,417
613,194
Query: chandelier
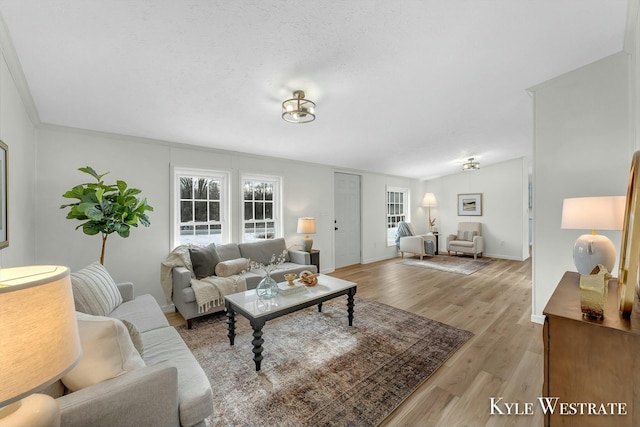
470,165
298,109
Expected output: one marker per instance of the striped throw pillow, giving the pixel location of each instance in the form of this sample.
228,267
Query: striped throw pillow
94,291
466,235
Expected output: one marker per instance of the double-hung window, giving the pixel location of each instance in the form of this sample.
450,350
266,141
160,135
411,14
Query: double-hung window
397,210
201,207
261,208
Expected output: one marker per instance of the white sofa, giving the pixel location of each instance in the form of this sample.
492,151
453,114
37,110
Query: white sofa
171,390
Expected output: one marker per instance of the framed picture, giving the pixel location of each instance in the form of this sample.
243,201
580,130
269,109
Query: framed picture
629,265
470,204
4,197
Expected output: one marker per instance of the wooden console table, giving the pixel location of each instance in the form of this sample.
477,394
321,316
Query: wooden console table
588,360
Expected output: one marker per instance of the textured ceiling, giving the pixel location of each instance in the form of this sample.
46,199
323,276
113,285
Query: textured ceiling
402,87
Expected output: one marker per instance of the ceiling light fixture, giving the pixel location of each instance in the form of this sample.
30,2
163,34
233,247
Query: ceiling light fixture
298,109
470,165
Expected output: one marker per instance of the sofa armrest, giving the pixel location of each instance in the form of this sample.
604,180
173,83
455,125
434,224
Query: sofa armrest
478,243
126,290
143,397
451,238
181,279
300,257
412,244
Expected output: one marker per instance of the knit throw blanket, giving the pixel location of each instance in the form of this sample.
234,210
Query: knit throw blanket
209,291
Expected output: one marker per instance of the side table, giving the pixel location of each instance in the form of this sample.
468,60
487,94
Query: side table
435,233
315,258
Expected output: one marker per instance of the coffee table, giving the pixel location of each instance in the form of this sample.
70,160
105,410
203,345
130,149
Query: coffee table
258,311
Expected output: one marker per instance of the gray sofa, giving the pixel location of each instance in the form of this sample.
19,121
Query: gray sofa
171,390
260,251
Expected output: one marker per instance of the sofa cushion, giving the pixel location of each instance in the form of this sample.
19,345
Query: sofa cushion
204,260
263,250
107,352
466,235
165,346
232,267
461,244
134,334
228,251
143,311
94,291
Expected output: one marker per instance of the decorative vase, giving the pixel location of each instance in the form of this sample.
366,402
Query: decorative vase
267,288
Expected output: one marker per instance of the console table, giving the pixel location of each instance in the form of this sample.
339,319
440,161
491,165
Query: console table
589,360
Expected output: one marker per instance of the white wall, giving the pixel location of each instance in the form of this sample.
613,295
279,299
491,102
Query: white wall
17,131
504,188
144,164
582,148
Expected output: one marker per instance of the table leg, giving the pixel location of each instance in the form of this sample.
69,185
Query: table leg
231,323
320,308
257,342
350,305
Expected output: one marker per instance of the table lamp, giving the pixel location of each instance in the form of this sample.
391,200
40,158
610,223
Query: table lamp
307,226
39,342
593,213
428,201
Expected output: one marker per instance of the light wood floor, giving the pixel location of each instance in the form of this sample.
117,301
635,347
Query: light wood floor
502,359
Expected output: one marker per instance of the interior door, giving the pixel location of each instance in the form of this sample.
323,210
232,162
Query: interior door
347,219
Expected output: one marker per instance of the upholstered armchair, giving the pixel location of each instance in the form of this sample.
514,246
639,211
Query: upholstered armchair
417,245
468,240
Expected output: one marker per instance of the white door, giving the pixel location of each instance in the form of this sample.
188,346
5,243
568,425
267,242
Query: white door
347,219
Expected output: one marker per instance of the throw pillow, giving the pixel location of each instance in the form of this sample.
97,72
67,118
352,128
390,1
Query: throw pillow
466,235
232,267
134,334
107,352
94,291
204,260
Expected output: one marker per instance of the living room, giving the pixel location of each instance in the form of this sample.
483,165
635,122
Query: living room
583,134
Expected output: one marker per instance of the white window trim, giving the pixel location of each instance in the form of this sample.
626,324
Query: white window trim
225,213
277,200
407,208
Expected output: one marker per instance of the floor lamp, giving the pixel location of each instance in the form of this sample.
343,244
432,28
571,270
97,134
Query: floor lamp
428,201
39,342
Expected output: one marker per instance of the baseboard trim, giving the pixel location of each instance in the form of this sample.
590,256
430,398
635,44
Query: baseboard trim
536,318
170,308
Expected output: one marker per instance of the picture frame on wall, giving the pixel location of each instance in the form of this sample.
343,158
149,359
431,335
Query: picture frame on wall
470,204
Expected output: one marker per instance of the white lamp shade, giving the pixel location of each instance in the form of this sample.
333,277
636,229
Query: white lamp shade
306,225
429,200
593,213
39,340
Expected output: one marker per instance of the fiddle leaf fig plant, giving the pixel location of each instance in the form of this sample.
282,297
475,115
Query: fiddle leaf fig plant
106,208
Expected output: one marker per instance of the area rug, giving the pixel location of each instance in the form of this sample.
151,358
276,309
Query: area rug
317,370
450,264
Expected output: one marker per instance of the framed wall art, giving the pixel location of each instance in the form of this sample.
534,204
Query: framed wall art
4,196
470,204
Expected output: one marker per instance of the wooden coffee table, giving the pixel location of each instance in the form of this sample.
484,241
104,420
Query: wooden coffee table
258,311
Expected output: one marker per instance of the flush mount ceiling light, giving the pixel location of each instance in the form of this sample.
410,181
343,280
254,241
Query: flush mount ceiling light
298,109
470,165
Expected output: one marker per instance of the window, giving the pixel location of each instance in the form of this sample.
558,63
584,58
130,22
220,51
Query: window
201,207
261,208
397,210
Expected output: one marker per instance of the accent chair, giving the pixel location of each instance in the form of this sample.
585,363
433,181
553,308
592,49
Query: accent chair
469,239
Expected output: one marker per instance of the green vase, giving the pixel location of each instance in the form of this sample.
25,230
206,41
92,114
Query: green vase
267,288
